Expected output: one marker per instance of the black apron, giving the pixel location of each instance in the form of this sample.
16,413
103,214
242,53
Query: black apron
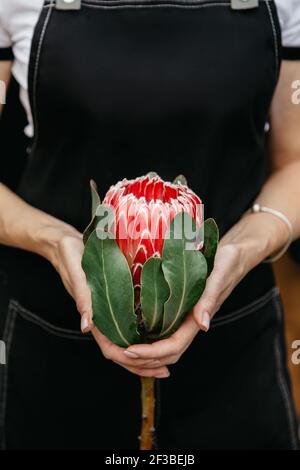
119,88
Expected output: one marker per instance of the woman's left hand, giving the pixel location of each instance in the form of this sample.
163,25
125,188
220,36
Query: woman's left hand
228,270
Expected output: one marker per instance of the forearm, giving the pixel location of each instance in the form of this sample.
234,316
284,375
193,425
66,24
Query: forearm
23,226
260,235
28,228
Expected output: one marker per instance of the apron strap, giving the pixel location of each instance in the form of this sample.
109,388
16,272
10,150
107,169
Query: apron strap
68,4
235,4
244,4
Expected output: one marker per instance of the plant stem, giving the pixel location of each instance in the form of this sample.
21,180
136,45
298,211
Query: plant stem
148,412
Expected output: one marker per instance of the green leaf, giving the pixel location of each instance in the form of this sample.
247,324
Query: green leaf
109,278
95,197
211,238
154,293
95,204
180,179
185,271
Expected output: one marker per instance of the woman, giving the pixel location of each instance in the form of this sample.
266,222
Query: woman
118,88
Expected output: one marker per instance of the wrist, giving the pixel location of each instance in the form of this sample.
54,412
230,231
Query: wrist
257,236
49,237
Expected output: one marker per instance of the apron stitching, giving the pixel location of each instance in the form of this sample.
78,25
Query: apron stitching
157,5
8,337
247,310
108,2
36,67
58,331
282,383
274,35
175,2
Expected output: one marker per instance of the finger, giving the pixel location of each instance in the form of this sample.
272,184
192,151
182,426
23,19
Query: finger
175,345
109,350
141,363
160,373
151,364
219,285
169,360
116,353
69,267
76,285
84,307
209,303
82,298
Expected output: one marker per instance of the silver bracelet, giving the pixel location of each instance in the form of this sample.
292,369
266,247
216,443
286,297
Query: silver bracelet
258,208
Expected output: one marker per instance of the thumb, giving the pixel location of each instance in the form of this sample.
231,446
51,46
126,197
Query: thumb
83,301
205,309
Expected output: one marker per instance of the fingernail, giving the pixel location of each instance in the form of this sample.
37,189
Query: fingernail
205,321
163,375
131,354
85,323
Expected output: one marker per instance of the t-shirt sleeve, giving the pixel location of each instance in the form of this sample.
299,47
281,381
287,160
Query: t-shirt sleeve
289,14
6,52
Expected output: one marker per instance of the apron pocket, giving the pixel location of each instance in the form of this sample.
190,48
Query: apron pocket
59,392
7,338
282,375
246,310
46,326
230,389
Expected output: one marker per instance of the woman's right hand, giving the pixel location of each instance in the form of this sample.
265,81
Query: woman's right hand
26,227
66,258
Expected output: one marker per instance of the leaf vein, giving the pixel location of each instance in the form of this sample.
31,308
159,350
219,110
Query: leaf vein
182,297
108,298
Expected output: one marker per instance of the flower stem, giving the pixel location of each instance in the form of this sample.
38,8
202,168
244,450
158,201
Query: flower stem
148,412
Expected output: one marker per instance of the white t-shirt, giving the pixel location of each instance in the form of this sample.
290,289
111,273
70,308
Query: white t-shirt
19,17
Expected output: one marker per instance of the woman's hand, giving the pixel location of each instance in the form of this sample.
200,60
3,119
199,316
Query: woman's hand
246,244
228,271
66,258
28,228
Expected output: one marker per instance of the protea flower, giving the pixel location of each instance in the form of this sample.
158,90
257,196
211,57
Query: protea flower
145,272
143,246
143,210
